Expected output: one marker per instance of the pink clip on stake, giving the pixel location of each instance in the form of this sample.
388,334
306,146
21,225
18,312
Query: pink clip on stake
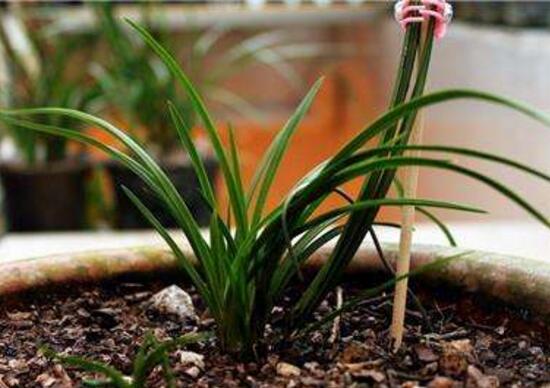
442,11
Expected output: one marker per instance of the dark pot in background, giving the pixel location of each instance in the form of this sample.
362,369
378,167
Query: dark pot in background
45,198
127,216
504,13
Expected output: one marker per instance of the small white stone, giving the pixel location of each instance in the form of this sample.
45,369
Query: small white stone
173,300
192,358
193,372
288,370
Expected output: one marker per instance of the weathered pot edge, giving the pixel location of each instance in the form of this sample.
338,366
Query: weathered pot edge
512,279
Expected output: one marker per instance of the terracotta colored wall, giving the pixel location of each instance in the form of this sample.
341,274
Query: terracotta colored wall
346,102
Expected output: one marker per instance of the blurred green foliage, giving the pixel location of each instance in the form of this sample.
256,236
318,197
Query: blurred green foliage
40,76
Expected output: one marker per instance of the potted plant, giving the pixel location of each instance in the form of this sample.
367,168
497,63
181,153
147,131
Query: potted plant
41,162
267,313
137,85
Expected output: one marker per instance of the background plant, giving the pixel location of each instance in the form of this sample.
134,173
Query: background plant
136,81
40,78
250,257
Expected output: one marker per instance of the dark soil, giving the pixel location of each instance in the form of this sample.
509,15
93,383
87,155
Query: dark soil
474,343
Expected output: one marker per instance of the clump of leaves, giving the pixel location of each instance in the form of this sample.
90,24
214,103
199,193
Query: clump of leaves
40,78
250,257
151,354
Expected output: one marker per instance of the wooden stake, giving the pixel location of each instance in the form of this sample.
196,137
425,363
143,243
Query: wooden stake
410,180
410,183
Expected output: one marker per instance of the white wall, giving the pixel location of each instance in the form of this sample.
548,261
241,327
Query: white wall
515,63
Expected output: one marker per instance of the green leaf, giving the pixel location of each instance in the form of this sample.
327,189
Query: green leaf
158,352
308,244
198,166
360,205
237,202
441,225
395,114
274,155
116,378
461,151
387,164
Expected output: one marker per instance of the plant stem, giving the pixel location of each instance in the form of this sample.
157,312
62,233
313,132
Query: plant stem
410,183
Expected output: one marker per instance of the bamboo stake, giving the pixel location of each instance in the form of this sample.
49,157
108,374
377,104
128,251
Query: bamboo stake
410,183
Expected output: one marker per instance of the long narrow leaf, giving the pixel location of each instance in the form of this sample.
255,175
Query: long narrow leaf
440,224
396,162
395,114
117,378
360,205
276,151
196,100
198,166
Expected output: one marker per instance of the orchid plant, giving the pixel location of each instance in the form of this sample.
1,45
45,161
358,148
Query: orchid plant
252,256
38,66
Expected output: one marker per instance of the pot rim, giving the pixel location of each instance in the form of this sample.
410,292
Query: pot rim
512,279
